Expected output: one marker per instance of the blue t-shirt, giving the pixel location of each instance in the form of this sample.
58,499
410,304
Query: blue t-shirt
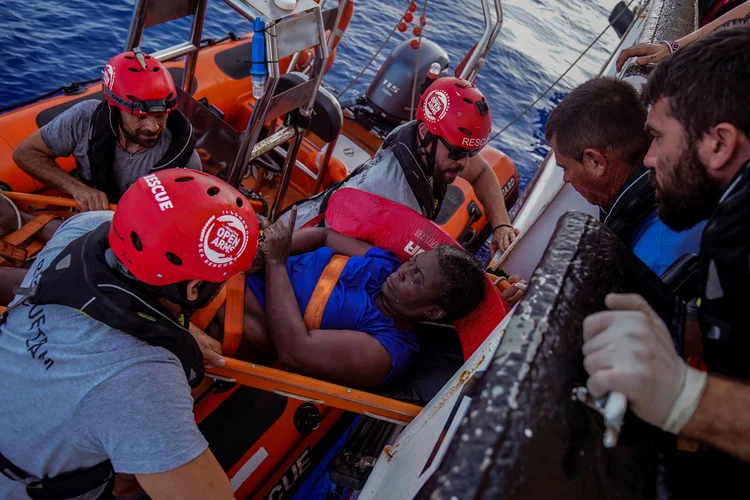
659,247
75,392
351,305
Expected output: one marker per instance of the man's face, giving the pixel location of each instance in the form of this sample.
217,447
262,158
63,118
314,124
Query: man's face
143,130
447,169
685,193
584,177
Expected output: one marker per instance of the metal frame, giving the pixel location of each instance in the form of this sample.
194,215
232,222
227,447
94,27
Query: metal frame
302,18
491,30
316,74
189,48
331,35
252,132
260,111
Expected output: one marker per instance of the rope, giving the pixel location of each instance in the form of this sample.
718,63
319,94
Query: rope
416,63
343,91
19,219
561,76
68,89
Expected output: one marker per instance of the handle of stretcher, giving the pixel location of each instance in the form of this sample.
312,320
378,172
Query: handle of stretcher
316,391
59,201
44,200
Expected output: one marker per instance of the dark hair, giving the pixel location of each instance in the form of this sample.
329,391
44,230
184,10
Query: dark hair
462,287
605,114
706,83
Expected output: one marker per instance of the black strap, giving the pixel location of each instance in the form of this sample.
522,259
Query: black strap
63,486
121,303
403,145
105,123
634,201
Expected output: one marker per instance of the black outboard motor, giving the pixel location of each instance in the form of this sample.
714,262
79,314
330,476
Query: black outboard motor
621,18
390,91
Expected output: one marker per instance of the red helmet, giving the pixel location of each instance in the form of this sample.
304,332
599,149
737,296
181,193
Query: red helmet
179,225
454,109
139,84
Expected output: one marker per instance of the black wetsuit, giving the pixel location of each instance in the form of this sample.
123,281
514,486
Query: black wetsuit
724,314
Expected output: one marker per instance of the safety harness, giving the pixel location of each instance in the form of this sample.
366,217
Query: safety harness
105,122
403,144
81,481
81,277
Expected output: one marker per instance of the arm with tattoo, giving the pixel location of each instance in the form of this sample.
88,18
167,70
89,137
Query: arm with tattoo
740,15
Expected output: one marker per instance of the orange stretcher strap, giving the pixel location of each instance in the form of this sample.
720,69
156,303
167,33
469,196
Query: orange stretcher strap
234,317
233,293
9,246
12,252
322,292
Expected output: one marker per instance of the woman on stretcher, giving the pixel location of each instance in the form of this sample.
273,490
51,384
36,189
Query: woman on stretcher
363,337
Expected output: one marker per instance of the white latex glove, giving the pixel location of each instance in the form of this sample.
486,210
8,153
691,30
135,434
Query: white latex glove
629,350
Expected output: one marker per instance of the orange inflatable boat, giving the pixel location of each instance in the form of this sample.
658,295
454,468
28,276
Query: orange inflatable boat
268,427
221,84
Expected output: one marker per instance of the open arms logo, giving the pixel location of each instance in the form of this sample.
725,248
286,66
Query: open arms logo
108,76
436,105
223,239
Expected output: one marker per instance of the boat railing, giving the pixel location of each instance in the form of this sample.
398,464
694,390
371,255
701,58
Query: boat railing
147,13
491,30
286,32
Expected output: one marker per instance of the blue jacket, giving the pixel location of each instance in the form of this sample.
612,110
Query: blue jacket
658,246
633,218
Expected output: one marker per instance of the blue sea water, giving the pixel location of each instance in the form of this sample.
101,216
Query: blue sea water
48,43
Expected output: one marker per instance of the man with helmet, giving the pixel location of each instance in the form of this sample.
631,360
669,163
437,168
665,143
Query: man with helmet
420,158
96,362
135,130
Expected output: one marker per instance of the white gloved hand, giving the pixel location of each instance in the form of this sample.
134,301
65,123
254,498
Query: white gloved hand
629,350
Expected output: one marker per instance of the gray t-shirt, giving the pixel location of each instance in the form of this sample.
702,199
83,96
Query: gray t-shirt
382,176
68,133
75,392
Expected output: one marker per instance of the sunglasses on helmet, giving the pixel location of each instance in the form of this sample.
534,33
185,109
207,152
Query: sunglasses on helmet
455,153
154,107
